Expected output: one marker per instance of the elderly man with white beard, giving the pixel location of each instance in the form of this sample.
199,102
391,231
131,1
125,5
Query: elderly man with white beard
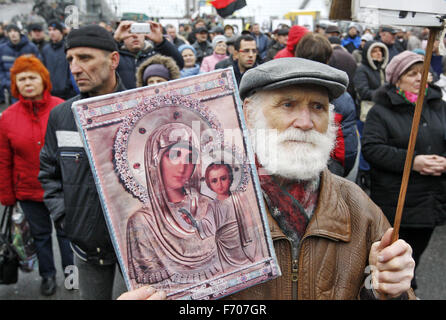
327,233
330,239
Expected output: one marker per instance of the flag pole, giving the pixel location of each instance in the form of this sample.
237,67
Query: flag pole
413,133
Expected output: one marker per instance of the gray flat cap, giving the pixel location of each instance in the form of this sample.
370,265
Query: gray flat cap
284,72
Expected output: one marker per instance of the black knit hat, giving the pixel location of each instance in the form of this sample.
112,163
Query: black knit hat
92,36
57,25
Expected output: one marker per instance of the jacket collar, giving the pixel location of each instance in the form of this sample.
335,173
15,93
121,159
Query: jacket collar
331,218
36,106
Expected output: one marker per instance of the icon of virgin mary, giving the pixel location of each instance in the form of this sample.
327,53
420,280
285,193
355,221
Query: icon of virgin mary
163,249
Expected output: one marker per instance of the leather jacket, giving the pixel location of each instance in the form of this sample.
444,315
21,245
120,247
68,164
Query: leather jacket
334,250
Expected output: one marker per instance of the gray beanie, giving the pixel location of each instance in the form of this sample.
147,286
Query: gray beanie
218,39
284,72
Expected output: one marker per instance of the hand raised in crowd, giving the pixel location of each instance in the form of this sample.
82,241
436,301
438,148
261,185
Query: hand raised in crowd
123,32
157,33
392,266
429,164
143,293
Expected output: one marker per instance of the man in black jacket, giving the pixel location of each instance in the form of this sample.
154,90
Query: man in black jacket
134,50
65,175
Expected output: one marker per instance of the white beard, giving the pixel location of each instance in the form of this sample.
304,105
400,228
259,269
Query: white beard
291,160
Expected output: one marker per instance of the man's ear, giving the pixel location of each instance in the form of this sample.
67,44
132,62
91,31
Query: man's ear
114,57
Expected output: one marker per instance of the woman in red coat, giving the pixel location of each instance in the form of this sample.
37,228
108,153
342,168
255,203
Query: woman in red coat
22,133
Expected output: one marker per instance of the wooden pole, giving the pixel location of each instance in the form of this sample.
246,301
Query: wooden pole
413,134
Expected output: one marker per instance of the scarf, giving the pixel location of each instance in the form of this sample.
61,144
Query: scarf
291,206
409,97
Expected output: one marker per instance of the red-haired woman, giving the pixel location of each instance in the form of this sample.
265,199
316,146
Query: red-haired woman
22,132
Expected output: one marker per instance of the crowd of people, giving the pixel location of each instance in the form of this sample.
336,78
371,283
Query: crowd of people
361,83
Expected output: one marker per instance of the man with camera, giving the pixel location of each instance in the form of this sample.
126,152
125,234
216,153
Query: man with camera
134,49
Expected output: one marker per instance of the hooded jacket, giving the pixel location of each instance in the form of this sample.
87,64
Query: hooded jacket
22,136
9,52
384,145
370,76
129,62
294,35
168,62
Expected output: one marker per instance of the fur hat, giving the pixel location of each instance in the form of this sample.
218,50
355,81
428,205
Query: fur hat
29,62
400,64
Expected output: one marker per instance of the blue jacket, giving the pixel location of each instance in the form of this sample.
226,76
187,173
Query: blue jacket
59,69
351,43
9,52
262,44
129,62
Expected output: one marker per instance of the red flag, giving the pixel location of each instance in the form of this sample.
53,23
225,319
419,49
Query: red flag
226,8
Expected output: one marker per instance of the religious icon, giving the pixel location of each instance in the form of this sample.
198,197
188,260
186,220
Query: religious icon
178,186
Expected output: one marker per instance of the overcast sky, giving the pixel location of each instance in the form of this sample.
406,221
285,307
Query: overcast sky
257,8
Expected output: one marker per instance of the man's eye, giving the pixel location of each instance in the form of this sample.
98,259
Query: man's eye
214,180
287,104
318,106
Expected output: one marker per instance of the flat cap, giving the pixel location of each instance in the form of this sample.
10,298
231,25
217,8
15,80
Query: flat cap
388,29
35,26
283,32
202,29
284,72
332,29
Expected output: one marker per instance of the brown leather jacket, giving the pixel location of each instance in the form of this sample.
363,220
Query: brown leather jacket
334,250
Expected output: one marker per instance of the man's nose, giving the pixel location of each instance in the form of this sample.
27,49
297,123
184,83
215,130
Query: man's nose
302,119
75,68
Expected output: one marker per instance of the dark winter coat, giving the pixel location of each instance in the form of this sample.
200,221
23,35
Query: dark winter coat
203,49
384,145
343,60
370,76
262,44
70,190
129,62
54,59
346,147
9,52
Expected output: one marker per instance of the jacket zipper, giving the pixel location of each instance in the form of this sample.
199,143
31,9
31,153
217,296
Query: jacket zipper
294,277
75,155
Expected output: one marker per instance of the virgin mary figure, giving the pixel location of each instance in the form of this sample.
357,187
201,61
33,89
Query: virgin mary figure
162,248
